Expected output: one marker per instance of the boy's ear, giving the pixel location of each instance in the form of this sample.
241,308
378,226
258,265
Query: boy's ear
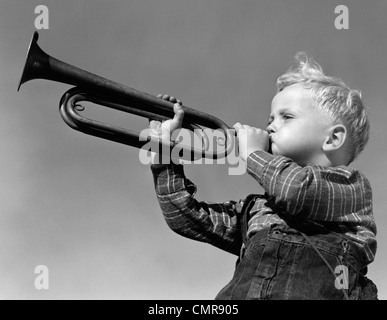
336,138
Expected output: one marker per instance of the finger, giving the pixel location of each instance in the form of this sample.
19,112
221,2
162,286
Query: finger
237,126
179,112
260,131
165,97
153,124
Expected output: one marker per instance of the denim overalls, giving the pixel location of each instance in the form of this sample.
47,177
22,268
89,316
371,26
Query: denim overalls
283,262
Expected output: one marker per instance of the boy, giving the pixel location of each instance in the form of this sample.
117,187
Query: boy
312,234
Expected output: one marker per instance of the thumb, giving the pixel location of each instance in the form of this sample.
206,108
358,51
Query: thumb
178,117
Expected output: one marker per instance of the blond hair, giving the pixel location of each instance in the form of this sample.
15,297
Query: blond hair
344,105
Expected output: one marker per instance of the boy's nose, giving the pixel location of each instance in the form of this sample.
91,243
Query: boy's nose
270,128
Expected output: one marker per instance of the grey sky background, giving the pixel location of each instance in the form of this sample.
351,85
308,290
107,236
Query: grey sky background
85,207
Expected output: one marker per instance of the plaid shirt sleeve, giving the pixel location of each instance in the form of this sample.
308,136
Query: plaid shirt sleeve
215,223
339,194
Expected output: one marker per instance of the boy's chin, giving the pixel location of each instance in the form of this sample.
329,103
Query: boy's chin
274,150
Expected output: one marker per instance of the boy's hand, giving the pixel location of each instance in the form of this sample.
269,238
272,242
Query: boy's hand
164,130
251,139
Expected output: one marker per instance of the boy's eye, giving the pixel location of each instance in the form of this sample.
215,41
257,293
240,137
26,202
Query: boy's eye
284,116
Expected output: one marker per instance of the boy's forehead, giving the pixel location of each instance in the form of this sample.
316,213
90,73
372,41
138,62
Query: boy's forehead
294,97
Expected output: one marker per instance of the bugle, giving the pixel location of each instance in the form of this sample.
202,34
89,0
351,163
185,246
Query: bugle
98,90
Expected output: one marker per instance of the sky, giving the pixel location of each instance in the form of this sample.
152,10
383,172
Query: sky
85,207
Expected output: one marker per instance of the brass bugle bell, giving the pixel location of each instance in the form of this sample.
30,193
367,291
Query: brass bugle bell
110,94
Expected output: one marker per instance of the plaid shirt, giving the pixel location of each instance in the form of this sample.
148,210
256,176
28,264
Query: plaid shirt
341,195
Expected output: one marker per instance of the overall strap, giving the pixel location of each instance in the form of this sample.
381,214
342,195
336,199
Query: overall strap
247,205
